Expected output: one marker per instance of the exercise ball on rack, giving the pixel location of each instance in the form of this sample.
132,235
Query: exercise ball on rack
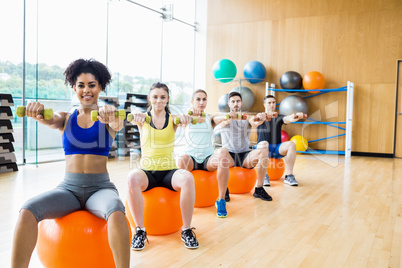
293,104
284,136
224,70
223,103
313,80
301,143
247,97
254,71
291,80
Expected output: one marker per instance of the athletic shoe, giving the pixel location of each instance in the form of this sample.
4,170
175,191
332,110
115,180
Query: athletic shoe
266,181
189,239
139,239
290,179
227,197
261,193
221,208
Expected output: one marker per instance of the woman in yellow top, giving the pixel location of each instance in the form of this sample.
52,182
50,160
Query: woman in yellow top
158,167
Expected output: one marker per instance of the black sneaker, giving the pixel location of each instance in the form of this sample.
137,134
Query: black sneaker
139,239
227,197
189,238
261,193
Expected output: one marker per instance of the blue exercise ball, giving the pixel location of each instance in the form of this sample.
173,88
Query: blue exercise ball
293,104
224,70
254,71
291,80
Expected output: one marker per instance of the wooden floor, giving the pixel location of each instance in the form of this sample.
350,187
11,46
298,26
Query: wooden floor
341,215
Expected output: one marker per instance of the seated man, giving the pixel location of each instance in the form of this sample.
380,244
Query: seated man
270,131
235,135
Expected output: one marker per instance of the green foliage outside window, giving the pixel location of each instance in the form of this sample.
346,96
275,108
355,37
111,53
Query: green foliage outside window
48,82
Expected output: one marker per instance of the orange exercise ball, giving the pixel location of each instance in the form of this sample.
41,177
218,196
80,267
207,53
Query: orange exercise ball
276,168
162,214
79,239
206,188
313,80
301,142
241,180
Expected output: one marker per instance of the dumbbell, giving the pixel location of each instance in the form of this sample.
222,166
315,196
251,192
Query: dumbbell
177,120
191,113
130,117
275,115
47,113
121,114
238,116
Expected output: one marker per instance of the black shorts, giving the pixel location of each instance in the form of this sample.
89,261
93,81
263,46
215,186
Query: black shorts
239,158
202,166
160,178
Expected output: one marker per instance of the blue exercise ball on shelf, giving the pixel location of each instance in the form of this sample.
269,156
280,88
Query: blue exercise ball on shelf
247,97
291,80
223,103
293,104
224,70
254,71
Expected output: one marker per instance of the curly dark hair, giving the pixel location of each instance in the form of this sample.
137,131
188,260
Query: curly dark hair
91,66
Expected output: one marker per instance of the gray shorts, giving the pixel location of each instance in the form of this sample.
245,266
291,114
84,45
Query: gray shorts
92,192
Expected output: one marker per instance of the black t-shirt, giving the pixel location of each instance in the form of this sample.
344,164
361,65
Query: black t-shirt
271,130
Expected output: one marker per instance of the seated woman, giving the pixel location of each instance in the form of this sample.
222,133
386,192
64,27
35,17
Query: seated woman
158,168
200,153
86,183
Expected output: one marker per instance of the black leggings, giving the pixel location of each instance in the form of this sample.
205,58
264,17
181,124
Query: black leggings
160,178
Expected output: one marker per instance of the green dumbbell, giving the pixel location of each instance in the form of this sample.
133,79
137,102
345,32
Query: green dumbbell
238,116
130,117
193,120
191,113
47,113
121,114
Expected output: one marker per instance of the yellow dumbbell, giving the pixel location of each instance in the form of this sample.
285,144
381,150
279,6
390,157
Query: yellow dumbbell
130,117
47,113
191,113
238,116
121,114
177,120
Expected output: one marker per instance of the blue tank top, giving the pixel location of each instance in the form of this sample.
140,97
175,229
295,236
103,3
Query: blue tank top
94,140
199,140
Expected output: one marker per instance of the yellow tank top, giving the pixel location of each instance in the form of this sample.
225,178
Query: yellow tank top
157,147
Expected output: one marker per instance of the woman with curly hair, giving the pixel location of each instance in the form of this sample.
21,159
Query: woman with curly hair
86,185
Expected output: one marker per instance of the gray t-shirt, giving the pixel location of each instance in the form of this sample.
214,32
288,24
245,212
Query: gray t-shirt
236,136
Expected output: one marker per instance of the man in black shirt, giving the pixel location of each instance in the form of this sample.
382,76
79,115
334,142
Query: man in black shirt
271,131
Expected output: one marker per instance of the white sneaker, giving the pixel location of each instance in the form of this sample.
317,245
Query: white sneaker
266,181
290,180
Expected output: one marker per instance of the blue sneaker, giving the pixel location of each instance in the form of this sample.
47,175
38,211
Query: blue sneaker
221,208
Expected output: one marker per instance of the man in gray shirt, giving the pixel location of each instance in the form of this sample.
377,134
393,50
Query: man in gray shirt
235,135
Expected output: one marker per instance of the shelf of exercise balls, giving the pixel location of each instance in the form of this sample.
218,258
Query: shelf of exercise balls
349,114
238,80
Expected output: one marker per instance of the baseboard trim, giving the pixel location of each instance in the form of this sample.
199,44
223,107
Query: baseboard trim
372,154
